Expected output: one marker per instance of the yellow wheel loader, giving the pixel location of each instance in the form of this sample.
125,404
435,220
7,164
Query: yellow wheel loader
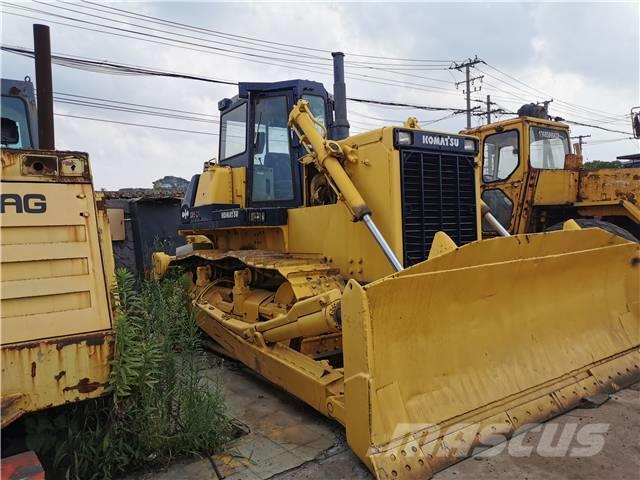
533,182
350,272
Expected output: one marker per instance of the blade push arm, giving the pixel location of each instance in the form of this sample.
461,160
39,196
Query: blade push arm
328,156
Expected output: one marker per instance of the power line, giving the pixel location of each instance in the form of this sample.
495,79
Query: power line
352,64
546,94
63,94
607,140
406,105
518,100
104,120
246,38
567,106
572,122
225,52
150,35
325,72
118,108
111,67
105,67
596,126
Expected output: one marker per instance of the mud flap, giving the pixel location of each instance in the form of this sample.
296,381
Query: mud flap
463,349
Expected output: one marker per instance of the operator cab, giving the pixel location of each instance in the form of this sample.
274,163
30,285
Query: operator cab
515,150
19,114
254,134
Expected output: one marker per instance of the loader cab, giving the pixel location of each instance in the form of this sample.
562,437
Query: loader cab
254,134
19,114
516,154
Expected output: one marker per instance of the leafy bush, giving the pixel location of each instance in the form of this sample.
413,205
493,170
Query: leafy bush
595,164
161,405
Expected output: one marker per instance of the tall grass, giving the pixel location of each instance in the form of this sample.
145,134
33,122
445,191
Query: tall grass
161,404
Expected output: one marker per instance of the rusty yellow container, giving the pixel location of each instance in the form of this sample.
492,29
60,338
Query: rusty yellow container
56,268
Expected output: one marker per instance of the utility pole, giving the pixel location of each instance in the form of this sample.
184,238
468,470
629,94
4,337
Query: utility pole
580,142
489,103
468,82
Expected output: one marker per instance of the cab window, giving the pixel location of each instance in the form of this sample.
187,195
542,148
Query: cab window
272,178
318,109
548,146
15,109
501,206
233,132
500,156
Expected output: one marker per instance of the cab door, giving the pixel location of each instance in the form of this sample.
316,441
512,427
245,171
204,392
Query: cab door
504,170
274,179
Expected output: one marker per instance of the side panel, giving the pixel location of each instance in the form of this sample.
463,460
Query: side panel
53,282
47,373
556,187
610,184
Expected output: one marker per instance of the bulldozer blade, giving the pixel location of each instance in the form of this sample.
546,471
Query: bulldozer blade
464,349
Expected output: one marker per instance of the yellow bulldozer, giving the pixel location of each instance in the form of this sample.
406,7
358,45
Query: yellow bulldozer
350,271
533,182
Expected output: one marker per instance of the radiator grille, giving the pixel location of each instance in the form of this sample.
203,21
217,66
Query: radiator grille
438,193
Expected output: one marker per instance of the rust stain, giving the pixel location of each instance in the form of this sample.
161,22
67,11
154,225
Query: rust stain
61,342
91,339
33,369
60,375
84,386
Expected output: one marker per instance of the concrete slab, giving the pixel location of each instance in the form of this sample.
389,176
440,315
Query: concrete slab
287,440
617,425
282,433
619,458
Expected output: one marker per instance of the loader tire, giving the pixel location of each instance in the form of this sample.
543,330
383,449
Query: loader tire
592,223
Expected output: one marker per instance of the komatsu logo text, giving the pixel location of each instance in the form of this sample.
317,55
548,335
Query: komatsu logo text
441,141
27,203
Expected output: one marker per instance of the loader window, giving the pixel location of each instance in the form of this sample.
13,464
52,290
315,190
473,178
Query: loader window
233,132
501,206
500,156
15,109
548,146
272,178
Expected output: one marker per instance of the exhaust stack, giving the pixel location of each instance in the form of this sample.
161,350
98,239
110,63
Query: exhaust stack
44,85
341,124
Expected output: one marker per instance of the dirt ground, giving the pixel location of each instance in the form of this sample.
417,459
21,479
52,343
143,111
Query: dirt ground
287,440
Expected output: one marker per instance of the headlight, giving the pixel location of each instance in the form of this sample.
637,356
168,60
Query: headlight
470,145
405,138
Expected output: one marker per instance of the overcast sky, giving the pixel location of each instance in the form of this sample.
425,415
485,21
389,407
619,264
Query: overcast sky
584,56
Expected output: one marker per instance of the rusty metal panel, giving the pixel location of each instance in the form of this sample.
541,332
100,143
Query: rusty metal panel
55,255
47,373
53,280
556,187
610,184
23,165
116,223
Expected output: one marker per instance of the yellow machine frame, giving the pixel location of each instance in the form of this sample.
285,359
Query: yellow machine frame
475,341
57,269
